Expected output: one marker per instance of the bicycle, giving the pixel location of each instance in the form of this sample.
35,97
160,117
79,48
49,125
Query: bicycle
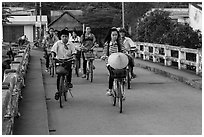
60,70
89,71
119,76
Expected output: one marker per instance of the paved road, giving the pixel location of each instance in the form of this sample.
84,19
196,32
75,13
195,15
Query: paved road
155,105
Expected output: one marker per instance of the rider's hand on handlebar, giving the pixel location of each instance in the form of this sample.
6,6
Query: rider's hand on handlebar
104,57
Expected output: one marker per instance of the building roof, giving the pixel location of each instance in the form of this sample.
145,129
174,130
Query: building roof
66,20
20,11
198,6
26,20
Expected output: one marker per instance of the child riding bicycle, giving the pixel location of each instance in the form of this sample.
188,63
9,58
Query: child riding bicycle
112,45
64,49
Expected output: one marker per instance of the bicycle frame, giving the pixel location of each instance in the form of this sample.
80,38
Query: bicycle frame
63,87
118,92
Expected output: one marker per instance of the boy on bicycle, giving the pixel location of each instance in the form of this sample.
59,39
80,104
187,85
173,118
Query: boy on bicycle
64,49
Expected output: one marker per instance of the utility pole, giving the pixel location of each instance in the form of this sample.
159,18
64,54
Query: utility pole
123,15
36,19
40,32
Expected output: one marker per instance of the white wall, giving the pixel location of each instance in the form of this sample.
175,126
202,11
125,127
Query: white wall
28,31
195,18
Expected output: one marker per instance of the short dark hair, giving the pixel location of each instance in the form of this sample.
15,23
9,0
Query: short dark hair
64,32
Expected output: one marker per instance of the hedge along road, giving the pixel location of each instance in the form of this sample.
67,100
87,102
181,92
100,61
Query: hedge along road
154,105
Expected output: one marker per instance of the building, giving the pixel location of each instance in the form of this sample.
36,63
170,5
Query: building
195,16
23,22
176,14
22,25
66,19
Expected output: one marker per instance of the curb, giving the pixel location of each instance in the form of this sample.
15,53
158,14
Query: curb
182,79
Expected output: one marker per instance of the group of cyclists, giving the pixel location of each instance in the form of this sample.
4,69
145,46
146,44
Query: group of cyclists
64,45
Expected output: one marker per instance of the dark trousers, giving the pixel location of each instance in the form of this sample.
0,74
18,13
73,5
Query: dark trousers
68,67
78,58
46,56
111,79
84,63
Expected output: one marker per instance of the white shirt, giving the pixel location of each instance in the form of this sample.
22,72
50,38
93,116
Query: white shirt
61,51
128,43
76,42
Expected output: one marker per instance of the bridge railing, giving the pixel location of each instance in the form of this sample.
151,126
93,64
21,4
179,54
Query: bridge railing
170,55
12,84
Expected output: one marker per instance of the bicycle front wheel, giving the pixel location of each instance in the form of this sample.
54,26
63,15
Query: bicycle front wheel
120,96
91,70
61,90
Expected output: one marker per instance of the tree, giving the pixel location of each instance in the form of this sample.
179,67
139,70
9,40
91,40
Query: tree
5,15
157,27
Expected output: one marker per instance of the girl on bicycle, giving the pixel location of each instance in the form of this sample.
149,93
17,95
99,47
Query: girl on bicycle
112,45
88,40
48,42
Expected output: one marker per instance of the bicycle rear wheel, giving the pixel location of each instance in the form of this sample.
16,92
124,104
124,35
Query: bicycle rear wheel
120,96
61,90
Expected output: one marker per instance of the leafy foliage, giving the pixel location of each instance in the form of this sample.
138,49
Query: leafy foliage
157,27
5,15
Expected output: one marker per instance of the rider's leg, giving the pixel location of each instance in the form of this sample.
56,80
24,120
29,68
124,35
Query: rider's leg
131,65
110,83
69,76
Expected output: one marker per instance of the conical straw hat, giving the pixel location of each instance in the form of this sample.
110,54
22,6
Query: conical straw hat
118,60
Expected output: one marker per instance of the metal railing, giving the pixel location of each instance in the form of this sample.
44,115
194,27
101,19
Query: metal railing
182,58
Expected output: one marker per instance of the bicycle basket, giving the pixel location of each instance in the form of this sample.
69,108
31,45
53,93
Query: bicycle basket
61,70
89,54
119,73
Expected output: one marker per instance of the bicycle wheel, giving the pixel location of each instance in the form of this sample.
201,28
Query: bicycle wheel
66,88
61,90
120,96
87,71
128,78
91,70
52,70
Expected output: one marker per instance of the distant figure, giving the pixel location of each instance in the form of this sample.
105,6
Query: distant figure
22,40
77,43
48,41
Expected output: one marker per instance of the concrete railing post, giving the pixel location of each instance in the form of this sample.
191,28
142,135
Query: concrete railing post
182,56
167,54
